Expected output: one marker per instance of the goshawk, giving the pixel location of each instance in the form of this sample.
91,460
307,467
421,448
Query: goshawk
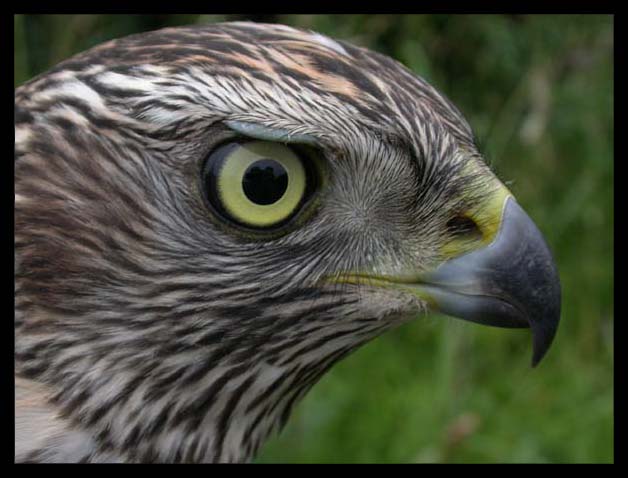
208,218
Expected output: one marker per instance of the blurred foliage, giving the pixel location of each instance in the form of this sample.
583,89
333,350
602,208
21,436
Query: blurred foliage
538,91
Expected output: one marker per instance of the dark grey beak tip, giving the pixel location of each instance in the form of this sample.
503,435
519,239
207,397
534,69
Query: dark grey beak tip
532,264
541,341
533,282
545,327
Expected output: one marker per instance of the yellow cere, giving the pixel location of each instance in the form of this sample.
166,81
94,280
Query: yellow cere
487,216
232,193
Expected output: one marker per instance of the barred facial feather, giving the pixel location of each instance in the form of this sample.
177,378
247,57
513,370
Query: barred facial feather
158,333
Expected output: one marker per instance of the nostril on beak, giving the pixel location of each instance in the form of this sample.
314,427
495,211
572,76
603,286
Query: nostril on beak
464,226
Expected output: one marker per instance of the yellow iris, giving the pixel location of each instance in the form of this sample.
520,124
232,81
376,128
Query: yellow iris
231,190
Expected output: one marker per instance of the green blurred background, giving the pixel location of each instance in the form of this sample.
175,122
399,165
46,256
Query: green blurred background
538,90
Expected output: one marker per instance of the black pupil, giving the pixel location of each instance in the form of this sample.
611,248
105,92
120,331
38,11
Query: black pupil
265,181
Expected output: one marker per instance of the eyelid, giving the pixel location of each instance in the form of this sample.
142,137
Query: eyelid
265,133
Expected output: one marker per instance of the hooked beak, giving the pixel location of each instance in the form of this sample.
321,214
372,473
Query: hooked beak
512,282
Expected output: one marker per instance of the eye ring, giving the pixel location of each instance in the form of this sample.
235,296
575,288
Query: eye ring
259,186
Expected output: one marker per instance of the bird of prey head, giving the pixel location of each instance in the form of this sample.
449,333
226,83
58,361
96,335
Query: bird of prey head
208,218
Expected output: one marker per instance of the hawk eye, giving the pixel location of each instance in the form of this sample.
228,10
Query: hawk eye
257,184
